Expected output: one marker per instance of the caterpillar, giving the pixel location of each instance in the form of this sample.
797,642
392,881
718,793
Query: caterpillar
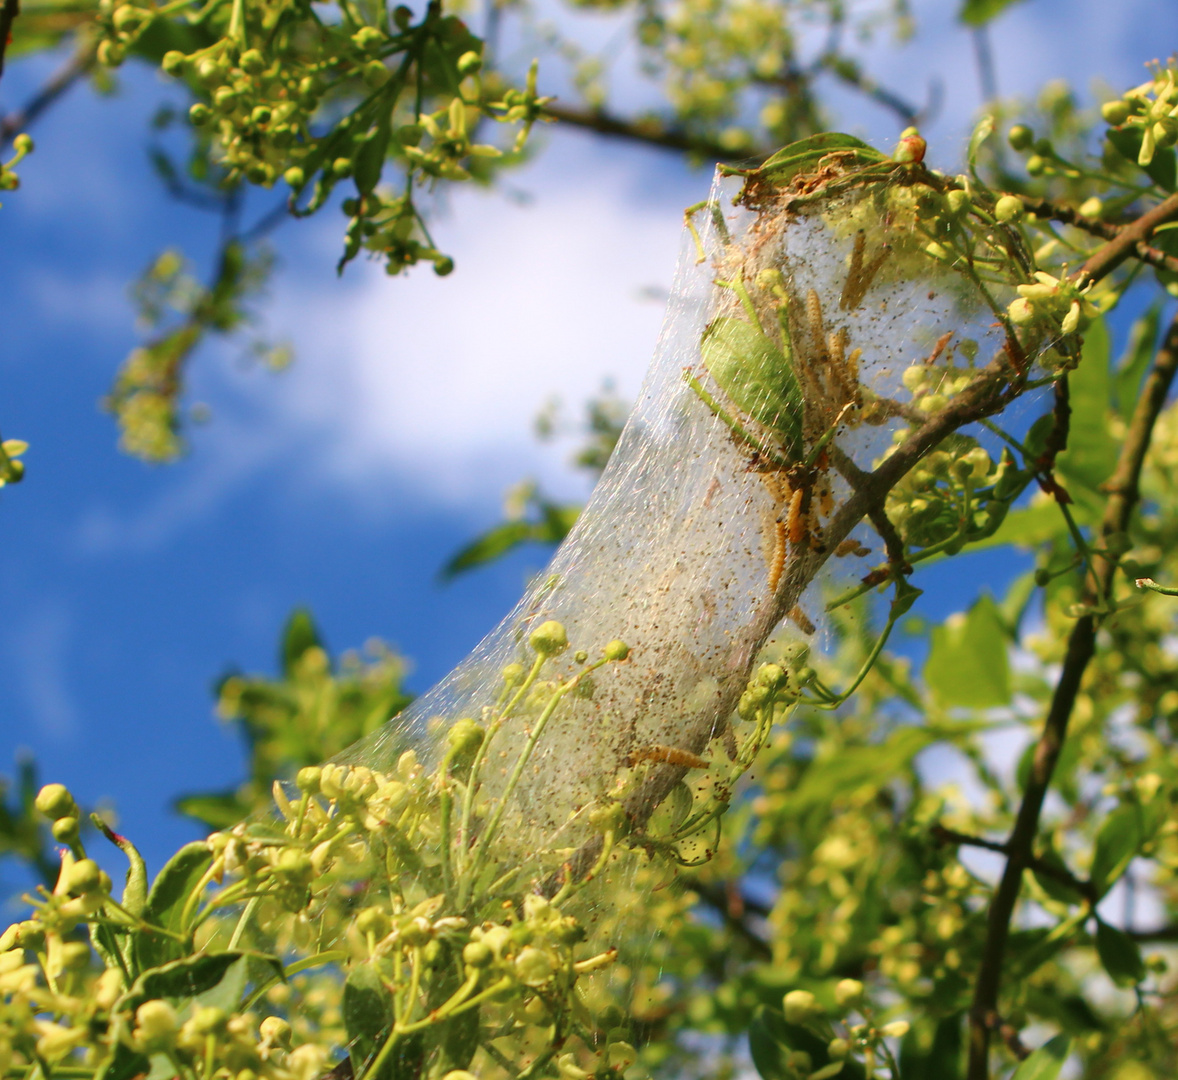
666,755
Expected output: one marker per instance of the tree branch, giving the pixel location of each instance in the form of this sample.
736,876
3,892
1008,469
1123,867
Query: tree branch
9,10
1127,242
1122,498
652,132
58,83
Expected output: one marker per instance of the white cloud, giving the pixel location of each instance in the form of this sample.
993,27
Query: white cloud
438,381
40,647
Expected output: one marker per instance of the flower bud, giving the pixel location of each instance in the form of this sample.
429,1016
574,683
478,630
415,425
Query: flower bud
368,39
549,638
110,54
75,955
375,74
609,818
275,1030
200,114
261,114
1116,112
22,144
1036,166
294,866
443,266
83,877
958,202
477,954
296,178
209,1020
373,920
771,676
533,967
469,63
838,1049
848,993
911,147
616,650
173,62
621,1055
1020,137
465,737
252,62
1009,208
341,167
897,1029
55,801
416,932
156,1024
10,939
800,1006
1020,312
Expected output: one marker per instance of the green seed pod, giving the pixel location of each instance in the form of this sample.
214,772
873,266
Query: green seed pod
350,207
838,1049
296,178
65,830
1036,165
309,776
477,955
1009,208
174,62
1020,137
210,72
443,265
252,62
469,63
1045,148
1116,112
549,638
772,677
259,173
275,1030
55,801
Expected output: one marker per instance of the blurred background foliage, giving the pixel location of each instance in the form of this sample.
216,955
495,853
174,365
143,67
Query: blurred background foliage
870,839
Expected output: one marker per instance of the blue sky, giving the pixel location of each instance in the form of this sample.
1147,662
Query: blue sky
344,482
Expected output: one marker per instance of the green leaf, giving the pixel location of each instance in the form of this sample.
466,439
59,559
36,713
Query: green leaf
1045,1063
135,890
983,130
122,1064
165,903
980,12
756,376
783,166
1119,955
771,1040
368,1012
1091,455
1117,842
940,1061
370,156
217,810
858,767
1133,365
967,663
1162,170
299,635
183,978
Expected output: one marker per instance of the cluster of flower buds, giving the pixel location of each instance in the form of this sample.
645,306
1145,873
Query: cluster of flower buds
1152,110
956,495
1052,306
401,89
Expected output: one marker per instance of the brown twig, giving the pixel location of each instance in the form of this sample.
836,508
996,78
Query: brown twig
57,84
1040,866
9,10
652,132
1123,494
1127,242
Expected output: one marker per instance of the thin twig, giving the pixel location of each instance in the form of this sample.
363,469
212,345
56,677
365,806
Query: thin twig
1123,494
652,131
57,84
